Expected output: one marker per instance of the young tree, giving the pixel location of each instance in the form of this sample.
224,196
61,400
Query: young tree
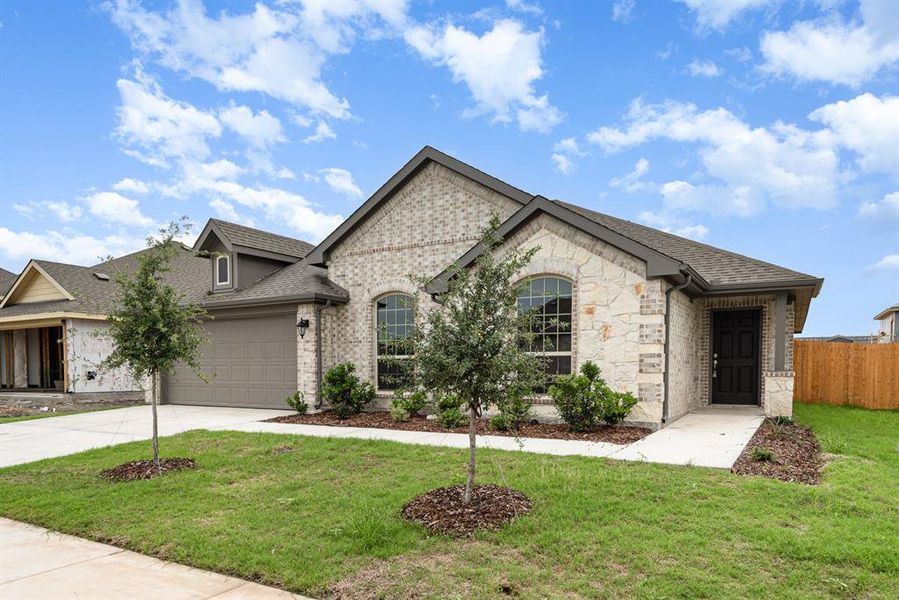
474,343
152,326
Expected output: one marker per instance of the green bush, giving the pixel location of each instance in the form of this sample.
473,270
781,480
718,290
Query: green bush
343,390
513,410
782,420
584,400
616,406
449,411
579,397
761,454
406,405
296,402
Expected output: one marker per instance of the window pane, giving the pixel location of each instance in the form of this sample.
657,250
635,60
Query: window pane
222,263
551,297
395,322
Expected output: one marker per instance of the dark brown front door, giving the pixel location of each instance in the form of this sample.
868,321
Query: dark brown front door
735,357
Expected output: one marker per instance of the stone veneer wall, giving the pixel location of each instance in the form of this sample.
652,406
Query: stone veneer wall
772,382
685,357
421,230
618,320
87,345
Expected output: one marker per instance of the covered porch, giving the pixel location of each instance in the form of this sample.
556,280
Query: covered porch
32,357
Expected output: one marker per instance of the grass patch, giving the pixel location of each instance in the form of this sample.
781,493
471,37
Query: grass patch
322,517
45,415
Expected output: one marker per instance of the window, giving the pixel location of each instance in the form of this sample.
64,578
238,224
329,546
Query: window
550,300
223,270
394,324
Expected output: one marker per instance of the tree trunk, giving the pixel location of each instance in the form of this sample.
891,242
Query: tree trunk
472,442
154,395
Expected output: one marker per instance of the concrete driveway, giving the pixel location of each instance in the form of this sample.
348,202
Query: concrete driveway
27,441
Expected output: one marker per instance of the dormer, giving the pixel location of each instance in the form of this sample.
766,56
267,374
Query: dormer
242,255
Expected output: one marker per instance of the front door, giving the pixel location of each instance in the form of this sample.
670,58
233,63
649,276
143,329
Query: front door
735,357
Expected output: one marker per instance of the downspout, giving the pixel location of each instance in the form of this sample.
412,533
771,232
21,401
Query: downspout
668,292
318,353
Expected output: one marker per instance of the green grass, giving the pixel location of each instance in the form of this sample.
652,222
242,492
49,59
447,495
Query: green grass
45,415
326,513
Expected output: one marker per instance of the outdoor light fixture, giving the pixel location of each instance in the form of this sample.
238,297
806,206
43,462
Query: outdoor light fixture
302,326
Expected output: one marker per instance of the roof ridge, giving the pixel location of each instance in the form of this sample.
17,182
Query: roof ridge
257,230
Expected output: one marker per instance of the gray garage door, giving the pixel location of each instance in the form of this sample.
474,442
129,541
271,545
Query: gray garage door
251,362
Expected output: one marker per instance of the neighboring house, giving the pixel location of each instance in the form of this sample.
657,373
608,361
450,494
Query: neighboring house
6,281
889,324
679,323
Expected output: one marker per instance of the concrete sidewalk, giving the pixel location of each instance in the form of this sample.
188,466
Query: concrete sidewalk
42,565
28,441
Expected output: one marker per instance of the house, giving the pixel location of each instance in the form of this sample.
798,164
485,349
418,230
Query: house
679,323
888,319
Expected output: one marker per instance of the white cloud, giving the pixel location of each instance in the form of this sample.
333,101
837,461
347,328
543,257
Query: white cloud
66,246
499,67
622,10
564,153
279,52
323,132
782,164
867,125
162,127
341,181
134,186
890,262
718,14
633,182
836,51
115,208
672,224
703,68
740,54
225,210
260,129
64,211
525,7
883,214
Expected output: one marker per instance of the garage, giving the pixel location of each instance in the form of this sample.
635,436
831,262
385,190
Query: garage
251,362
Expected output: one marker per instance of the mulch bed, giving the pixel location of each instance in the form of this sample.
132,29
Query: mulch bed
382,420
797,456
145,469
442,511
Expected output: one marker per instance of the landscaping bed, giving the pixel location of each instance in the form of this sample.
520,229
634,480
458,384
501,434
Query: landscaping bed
146,469
442,511
383,420
786,451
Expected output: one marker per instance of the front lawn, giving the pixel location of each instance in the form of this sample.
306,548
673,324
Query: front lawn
322,517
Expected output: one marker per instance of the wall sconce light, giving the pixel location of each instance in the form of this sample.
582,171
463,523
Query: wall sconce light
302,326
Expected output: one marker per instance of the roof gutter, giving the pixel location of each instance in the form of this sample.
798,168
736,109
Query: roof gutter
688,279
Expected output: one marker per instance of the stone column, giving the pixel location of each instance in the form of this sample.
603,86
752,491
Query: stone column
20,358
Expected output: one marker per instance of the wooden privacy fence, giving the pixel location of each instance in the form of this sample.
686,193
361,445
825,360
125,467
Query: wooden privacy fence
840,373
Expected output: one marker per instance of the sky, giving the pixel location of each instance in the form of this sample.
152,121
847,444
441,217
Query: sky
766,127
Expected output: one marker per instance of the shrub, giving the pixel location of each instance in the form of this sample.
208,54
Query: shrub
406,405
782,420
616,406
761,454
449,411
832,444
296,402
512,411
579,397
343,390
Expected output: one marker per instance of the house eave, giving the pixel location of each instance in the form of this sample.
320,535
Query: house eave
292,299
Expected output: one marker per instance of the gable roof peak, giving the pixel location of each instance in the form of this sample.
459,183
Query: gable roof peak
250,240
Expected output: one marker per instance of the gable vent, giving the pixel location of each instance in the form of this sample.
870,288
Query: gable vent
101,276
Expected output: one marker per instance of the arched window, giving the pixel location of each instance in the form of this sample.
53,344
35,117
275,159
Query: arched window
550,300
394,324
223,270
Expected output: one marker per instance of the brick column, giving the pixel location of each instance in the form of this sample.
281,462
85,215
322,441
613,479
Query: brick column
307,373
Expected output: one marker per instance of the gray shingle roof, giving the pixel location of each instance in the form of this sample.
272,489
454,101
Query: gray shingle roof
6,280
189,273
262,240
298,280
717,266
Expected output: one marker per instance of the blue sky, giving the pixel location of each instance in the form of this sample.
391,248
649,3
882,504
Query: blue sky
768,128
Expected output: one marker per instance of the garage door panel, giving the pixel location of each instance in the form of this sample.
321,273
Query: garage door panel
251,363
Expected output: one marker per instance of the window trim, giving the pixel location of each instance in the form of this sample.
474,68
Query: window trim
375,345
571,352
218,272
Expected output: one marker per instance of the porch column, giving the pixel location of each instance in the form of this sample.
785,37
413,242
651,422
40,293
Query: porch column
20,358
780,331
